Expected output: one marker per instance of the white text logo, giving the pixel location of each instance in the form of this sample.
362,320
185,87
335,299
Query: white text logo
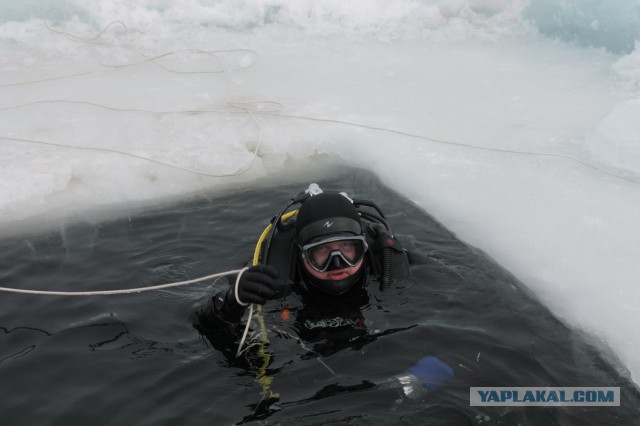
541,396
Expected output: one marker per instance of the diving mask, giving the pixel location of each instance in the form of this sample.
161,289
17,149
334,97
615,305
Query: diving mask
335,252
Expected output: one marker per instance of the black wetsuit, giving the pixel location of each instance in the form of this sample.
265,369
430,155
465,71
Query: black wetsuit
315,315
324,323
328,322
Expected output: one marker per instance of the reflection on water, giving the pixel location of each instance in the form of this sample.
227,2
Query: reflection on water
139,359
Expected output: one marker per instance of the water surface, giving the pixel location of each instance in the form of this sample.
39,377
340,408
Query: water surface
138,359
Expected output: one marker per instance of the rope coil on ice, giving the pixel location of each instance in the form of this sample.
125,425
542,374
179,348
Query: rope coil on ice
249,107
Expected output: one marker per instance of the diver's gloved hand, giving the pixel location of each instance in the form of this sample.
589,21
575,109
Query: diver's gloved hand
257,285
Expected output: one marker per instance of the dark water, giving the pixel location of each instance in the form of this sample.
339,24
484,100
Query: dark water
137,359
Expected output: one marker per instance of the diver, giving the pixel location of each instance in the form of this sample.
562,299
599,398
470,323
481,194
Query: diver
325,253
317,265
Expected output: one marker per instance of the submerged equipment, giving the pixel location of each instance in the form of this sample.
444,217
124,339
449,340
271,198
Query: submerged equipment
293,233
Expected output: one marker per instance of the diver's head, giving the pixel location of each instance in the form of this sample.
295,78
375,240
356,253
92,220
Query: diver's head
331,242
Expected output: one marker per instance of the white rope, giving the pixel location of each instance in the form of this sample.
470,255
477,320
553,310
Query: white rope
114,292
240,171
233,106
241,303
236,106
268,108
64,32
240,272
249,108
454,143
146,58
246,331
236,285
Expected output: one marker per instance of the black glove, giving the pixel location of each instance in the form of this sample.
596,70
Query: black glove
257,285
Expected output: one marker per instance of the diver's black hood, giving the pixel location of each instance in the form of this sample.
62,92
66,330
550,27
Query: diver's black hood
326,214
